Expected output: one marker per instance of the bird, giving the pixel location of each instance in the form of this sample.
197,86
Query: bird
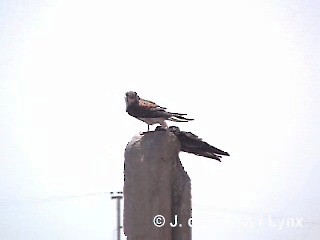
191,143
150,112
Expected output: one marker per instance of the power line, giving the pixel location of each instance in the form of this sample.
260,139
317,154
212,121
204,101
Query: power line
14,202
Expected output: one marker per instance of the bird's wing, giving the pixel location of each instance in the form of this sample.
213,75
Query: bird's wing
148,104
191,143
208,155
147,109
199,143
192,136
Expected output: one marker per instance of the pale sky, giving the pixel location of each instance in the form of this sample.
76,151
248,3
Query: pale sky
247,71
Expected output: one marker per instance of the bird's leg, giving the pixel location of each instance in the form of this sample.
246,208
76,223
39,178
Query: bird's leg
143,133
164,125
146,131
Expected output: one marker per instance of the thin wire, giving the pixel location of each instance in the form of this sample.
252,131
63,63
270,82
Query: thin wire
48,199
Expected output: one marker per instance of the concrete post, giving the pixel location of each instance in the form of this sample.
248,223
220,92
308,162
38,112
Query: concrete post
156,184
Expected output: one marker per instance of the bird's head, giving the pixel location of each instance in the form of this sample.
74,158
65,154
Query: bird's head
174,129
131,98
160,128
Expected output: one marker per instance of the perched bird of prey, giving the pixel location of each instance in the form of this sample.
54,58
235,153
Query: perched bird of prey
150,112
191,143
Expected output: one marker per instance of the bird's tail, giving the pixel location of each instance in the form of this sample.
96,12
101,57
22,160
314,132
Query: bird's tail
179,117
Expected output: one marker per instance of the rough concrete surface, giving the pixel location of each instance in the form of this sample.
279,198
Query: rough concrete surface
155,184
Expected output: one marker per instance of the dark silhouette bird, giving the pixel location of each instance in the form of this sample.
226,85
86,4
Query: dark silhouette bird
150,112
191,143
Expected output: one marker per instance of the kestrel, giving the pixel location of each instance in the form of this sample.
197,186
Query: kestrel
150,112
